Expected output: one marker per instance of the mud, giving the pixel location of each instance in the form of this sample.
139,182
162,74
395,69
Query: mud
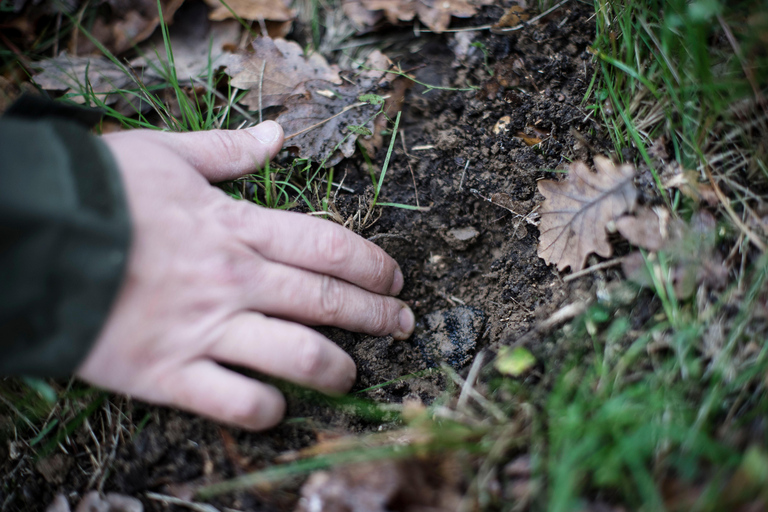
472,274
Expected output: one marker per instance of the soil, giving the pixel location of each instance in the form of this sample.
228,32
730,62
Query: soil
472,274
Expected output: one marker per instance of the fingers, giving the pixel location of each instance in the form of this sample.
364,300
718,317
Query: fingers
286,350
205,388
315,299
318,245
226,154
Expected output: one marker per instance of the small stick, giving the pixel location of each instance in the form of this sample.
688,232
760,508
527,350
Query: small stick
410,167
463,174
305,130
471,378
593,268
735,218
171,500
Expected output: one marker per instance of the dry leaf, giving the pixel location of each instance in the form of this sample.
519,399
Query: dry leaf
361,17
129,23
576,210
341,117
514,16
76,75
383,486
195,42
285,72
646,229
528,139
320,110
252,10
435,14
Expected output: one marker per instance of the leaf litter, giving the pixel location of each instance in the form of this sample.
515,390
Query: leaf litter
435,14
577,210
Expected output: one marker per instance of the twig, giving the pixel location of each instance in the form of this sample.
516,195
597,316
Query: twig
527,218
593,268
171,500
477,364
463,174
563,314
410,167
532,20
735,218
486,404
308,128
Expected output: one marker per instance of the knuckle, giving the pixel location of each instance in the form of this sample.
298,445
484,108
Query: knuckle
312,360
333,246
381,274
226,146
331,298
380,318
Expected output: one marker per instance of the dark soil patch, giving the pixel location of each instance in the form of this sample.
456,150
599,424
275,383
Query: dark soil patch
472,274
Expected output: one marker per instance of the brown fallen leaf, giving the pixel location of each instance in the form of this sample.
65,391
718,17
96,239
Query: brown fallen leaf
324,122
76,75
127,24
381,486
435,14
647,228
691,258
529,140
576,210
276,70
514,16
252,10
196,43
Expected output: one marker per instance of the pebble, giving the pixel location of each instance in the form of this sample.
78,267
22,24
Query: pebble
450,335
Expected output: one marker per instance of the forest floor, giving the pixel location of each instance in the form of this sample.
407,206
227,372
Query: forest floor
634,381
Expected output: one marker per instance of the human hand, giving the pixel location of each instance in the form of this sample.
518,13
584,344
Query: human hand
213,280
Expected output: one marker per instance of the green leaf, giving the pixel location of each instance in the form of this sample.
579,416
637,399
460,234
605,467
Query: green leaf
514,361
373,99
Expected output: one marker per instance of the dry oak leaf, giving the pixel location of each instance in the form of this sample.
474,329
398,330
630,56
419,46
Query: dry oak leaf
79,74
196,43
328,120
648,228
129,22
252,10
435,14
276,70
576,211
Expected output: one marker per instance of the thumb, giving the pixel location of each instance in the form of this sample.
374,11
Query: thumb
227,154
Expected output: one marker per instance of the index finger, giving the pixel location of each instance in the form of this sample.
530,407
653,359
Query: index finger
318,245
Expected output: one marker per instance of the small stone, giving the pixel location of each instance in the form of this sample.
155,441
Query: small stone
461,238
502,125
450,335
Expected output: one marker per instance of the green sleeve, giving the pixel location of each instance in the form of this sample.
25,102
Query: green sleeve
64,240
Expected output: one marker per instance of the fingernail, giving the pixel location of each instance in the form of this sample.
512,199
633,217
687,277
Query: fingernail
266,132
407,323
397,282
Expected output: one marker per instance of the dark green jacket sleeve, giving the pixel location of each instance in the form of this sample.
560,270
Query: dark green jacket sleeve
64,239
